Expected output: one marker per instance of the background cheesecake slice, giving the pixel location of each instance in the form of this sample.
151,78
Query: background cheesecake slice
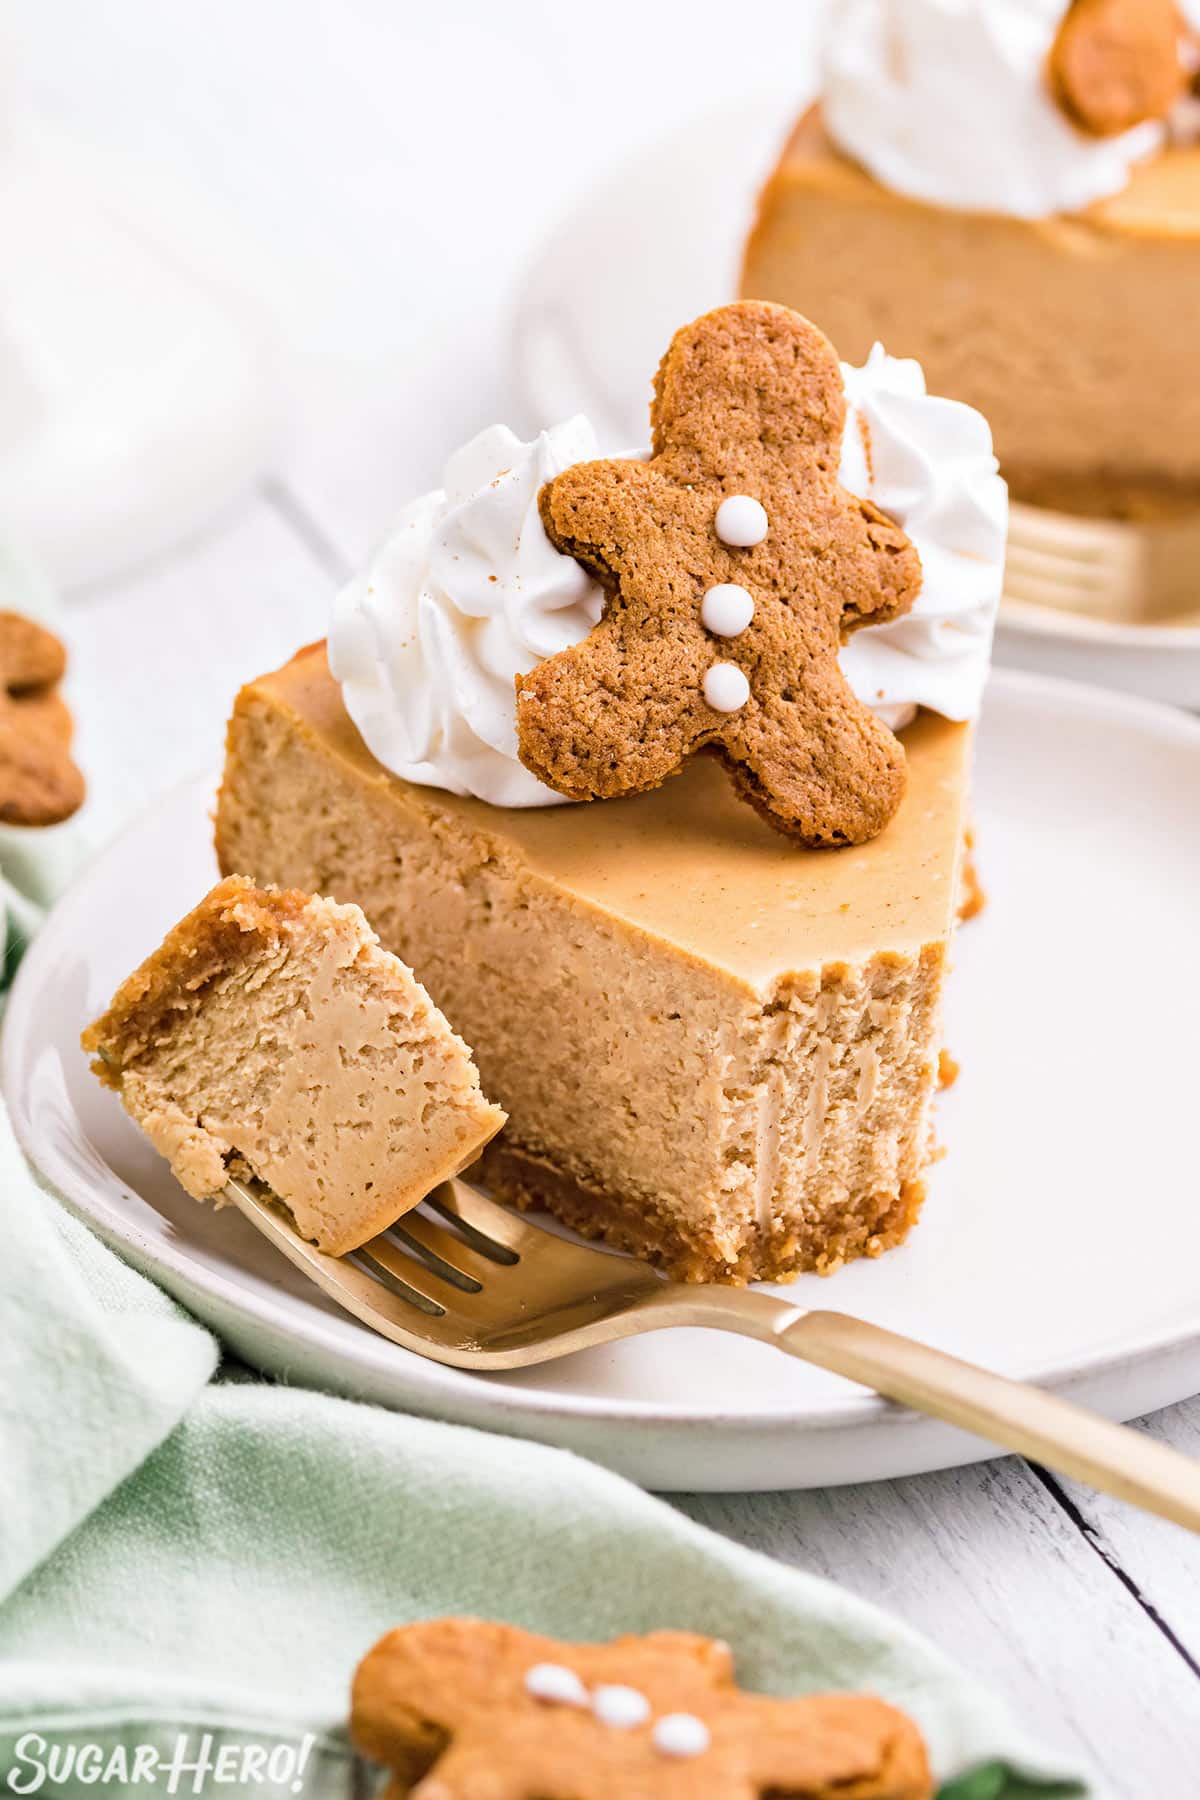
272,1034
1066,332
715,1048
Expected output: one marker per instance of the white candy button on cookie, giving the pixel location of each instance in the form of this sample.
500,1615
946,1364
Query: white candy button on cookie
726,609
680,1734
621,1707
725,687
556,1684
741,521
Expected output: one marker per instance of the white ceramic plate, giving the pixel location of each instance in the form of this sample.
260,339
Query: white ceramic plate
658,240
1061,1237
1160,661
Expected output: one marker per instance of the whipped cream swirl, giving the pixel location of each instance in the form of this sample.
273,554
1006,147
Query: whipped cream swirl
468,592
947,101
928,464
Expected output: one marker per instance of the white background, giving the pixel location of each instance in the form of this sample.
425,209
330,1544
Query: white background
377,176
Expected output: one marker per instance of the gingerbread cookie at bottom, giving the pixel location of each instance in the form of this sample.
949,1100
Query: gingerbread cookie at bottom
39,784
735,565
460,1709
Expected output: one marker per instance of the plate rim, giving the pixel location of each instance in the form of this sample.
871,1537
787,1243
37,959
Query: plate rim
440,1381
1077,629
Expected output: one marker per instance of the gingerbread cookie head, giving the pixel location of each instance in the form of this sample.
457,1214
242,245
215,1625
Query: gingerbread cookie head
460,1709
39,784
734,566
1117,63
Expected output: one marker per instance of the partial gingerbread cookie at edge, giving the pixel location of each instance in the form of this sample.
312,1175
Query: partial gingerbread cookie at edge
465,1708
735,566
1117,63
39,783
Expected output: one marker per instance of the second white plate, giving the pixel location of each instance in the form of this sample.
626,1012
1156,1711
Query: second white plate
1061,1237
657,241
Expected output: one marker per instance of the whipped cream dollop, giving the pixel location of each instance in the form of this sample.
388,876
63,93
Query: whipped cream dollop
469,592
466,594
947,101
928,464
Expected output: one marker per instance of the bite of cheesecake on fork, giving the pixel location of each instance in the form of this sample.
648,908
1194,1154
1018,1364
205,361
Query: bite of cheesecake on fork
272,1036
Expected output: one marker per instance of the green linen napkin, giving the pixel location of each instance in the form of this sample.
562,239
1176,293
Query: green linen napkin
190,1567
188,1556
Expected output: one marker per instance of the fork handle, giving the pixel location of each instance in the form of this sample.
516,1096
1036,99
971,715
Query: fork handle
1025,1419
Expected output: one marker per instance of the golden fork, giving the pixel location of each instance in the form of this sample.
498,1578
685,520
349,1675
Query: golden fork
1108,569
465,1281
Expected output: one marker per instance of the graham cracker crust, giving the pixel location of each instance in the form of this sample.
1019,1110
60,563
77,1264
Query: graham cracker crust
872,1224
972,895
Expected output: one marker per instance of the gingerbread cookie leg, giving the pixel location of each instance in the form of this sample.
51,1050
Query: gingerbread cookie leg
846,798
597,728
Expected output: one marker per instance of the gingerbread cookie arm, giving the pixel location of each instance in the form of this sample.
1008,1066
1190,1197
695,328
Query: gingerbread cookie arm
618,713
600,513
1116,63
416,1686
888,577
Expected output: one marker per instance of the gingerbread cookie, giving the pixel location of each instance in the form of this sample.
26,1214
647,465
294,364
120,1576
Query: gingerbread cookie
458,1708
735,565
39,784
1116,63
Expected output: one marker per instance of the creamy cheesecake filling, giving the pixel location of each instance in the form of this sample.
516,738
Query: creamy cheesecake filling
1063,332
273,1036
701,1096
769,1114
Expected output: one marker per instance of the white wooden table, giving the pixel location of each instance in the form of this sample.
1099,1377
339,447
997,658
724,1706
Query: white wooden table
390,169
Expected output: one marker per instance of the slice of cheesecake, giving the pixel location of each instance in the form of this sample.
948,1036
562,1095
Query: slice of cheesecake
715,1048
271,1034
1064,331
